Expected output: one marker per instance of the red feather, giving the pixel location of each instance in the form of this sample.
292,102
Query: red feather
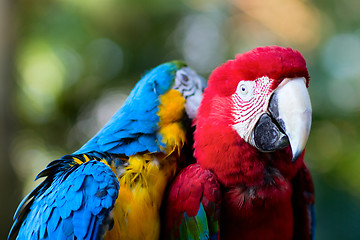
192,186
217,146
274,62
263,195
257,186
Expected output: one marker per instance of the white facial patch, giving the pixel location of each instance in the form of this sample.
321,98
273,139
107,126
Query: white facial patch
190,85
250,101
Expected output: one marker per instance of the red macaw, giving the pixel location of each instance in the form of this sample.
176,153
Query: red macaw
250,180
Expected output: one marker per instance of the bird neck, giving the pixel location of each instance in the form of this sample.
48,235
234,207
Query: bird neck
233,161
220,149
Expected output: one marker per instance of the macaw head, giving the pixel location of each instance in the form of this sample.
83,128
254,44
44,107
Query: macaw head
260,97
191,87
179,96
155,114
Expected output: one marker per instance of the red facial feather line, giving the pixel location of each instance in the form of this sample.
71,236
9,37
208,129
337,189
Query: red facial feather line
246,112
243,109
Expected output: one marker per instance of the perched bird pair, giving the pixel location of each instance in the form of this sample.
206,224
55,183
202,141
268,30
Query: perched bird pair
249,180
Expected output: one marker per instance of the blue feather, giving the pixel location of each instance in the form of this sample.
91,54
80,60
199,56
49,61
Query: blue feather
107,202
67,227
99,177
78,183
71,215
95,202
137,116
148,140
42,231
111,192
53,221
81,220
96,210
109,146
90,188
195,227
46,214
75,199
60,201
65,211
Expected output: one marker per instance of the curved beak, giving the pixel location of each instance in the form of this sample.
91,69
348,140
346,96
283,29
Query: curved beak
290,106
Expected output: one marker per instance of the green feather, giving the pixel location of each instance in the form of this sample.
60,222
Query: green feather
195,227
213,227
179,64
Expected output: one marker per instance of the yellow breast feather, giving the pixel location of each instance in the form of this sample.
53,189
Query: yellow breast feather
171,108
171,111
142,185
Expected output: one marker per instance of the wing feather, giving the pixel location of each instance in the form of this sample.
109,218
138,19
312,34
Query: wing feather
136,117
192,211
68,205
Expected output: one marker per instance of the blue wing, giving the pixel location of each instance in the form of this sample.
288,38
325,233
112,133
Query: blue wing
133,128
73,201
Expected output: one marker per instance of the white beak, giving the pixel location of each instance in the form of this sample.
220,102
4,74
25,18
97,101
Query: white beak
293,112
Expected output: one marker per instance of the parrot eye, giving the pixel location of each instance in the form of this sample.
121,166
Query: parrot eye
184,78
186,82
245,90
189,84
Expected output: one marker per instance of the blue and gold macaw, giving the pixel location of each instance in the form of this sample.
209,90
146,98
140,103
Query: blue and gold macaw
113,186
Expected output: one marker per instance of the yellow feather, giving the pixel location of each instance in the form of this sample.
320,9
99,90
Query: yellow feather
143,183
171,108
173,136
136,210
86,158
76,160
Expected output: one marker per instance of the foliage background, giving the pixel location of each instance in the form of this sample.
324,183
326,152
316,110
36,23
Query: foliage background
67,65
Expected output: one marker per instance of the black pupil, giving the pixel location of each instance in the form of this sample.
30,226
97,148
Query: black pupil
185,77
243,89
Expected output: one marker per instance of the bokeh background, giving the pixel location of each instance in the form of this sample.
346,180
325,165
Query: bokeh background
67,65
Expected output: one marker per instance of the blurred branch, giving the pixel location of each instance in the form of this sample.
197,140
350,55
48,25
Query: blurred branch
9,182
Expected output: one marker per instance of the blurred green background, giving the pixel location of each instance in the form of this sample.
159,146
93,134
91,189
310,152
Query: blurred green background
67,65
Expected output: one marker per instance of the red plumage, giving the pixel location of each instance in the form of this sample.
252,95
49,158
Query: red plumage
193,186
217,146
263,194
274,62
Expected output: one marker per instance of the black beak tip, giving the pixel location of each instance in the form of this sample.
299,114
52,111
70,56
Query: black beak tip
296,156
